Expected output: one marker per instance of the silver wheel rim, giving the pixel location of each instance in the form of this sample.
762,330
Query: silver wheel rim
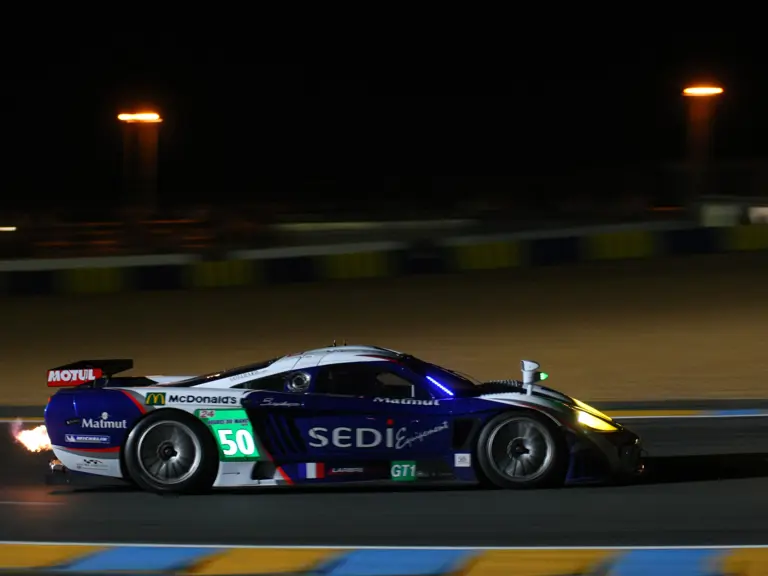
520,449
169,452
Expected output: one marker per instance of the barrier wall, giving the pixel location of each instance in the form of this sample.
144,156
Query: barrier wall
376,260
384,562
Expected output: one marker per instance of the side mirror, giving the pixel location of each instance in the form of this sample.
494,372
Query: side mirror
531,373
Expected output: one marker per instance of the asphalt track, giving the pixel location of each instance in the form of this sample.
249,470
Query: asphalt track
706,486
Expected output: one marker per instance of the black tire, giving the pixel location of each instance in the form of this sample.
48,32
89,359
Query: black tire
493,450
156,438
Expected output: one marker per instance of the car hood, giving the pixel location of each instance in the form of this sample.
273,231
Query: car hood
515,388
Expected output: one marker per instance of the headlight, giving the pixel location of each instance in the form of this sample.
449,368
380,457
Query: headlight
594,411
595,423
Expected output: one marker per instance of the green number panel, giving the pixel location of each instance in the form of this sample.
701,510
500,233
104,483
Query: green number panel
233,433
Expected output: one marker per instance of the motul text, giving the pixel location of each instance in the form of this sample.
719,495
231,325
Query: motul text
74,376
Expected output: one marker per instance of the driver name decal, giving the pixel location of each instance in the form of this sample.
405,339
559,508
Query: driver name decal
279,403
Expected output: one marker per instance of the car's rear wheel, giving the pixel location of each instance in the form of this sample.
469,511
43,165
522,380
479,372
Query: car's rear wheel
170,451
522,450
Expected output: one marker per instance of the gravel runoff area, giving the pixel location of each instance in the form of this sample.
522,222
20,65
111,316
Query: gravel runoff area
677,328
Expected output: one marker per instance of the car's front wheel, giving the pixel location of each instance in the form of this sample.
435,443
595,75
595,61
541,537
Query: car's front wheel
522,450
171,451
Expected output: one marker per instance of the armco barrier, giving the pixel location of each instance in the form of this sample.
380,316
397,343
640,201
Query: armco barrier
374,260
74,559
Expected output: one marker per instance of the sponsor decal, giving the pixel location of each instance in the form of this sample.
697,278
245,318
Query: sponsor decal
194,399
91,464
280,403
405,440
73,376
403,471
312,470
155,399
462,460
84,439
347,470
220,421
104,422
72,421
371,437
411,401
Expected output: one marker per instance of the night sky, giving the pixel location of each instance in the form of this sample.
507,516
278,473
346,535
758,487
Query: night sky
279,110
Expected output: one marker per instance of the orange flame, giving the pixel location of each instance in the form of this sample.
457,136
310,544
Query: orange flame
35,440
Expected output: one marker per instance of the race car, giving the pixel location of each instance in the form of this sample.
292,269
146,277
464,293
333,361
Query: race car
330,415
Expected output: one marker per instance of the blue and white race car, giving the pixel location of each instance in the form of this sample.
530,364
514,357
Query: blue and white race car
330,415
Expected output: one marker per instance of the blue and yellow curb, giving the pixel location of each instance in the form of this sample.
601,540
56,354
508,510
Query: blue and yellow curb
694,561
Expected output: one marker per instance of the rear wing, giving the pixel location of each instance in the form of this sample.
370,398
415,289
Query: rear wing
85,371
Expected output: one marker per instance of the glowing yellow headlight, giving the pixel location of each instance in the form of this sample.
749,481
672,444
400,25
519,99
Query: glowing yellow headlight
594,411
595,423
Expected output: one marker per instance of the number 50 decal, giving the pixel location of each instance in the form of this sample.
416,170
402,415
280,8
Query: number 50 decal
233,433
241,445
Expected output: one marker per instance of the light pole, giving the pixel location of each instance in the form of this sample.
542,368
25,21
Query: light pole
145,127
701,107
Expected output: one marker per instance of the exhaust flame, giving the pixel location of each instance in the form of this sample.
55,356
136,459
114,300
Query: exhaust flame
35,440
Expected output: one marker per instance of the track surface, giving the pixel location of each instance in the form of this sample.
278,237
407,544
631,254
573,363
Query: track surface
708,486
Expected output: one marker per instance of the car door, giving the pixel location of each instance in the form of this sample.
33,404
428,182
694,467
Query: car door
374,411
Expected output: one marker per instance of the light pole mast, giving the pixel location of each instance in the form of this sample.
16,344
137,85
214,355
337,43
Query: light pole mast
701,108
144,129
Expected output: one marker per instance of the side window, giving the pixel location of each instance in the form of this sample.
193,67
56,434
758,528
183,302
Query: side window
275,383
393,385
367,380
345,380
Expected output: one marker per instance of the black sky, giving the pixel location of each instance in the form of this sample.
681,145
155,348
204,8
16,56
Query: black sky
363,106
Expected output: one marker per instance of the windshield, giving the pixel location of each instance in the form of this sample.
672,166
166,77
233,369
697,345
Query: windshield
455,381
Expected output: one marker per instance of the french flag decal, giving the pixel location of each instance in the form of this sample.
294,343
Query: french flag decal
313,470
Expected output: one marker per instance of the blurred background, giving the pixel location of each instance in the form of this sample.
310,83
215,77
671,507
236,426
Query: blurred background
269,130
